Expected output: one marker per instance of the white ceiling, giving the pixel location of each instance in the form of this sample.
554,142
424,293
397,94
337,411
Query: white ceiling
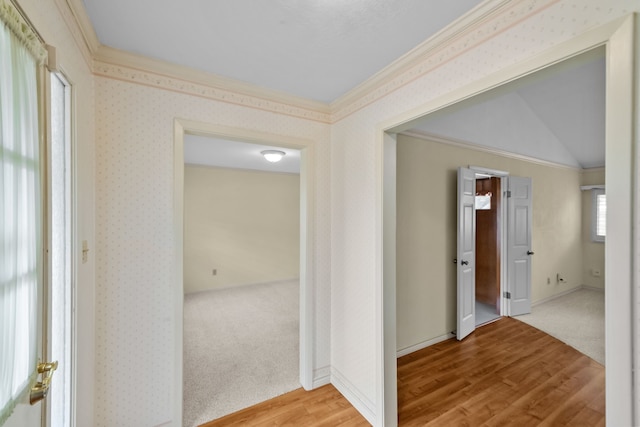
321,49
315,49
556,115
200,150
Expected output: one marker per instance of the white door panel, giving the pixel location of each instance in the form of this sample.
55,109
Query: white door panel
519,245
466,256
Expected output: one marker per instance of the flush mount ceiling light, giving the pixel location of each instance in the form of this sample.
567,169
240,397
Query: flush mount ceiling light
273,155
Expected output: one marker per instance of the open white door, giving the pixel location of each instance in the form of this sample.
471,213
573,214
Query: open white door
466,254
519,245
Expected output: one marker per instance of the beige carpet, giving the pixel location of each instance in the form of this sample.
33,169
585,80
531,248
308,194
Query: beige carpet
576,319
241,347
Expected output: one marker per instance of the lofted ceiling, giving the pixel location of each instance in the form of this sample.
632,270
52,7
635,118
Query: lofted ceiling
557,115
320,50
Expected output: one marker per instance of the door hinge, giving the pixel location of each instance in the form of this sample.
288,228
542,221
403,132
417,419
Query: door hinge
508,193
507,295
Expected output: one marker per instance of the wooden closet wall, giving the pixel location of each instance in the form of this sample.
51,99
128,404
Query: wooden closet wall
488,244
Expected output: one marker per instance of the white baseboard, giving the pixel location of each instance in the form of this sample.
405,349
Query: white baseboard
244,285
592,288
353,395
423,344
321,376
567,292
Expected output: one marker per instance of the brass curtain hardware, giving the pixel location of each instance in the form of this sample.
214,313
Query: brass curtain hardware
40,390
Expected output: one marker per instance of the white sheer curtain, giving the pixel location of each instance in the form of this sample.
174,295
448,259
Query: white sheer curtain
20,216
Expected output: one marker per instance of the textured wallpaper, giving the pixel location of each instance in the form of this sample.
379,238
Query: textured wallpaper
532,27
134,128
135,285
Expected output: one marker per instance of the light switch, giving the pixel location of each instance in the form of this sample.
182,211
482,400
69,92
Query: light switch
85,251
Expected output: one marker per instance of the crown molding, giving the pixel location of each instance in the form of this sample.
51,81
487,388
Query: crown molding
76,19
118,64
597,169
480,24
425,136
485,21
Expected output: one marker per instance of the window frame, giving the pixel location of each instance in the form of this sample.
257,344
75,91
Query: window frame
595,237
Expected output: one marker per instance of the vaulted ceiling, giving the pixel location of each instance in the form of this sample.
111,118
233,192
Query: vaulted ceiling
321,49
557,115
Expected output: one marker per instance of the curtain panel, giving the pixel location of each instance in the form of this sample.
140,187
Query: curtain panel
21,216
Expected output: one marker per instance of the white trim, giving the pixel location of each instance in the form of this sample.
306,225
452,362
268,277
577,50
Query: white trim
489,172
307,238
485,21
416,55
620,172
80,28
558,295
178,307
244,285
482,148
424,344
567,292
386,220
618,37
595,237
353,395
121,65
321,376
591,288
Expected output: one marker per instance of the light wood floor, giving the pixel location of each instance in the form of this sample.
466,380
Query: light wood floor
506,373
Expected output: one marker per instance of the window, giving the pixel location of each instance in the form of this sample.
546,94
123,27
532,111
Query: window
598,215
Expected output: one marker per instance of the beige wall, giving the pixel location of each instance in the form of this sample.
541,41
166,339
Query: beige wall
592,252
426,232
135,224
245,224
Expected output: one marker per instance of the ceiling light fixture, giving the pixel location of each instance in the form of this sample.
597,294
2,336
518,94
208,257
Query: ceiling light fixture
273,156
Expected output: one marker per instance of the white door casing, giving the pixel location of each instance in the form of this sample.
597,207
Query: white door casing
620,38
519,250
466,253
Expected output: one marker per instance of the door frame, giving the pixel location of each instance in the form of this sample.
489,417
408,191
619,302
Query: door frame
622,54
504,229
73,263
505,218
307,238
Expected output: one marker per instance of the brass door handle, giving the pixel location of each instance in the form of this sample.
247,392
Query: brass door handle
40,390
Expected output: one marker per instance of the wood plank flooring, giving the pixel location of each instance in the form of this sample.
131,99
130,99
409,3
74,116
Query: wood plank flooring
324,406
506,373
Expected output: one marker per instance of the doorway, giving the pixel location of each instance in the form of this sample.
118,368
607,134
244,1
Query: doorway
618,40
241,266
488,248
483,260
307,237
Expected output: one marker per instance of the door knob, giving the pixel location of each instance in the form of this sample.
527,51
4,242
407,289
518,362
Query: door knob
40,390
530,252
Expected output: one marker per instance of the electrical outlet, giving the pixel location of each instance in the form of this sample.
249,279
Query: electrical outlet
596,273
